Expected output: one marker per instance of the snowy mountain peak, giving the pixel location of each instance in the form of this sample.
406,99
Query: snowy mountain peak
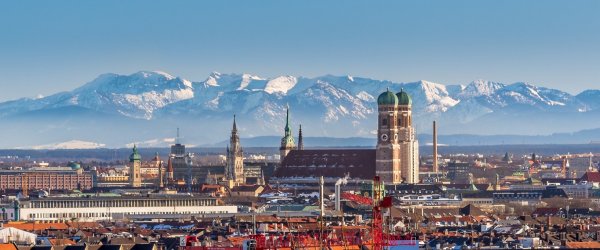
433,96
281,84
247,79
251,77
213,79
520,85
432,86
481,88
154,75
137,95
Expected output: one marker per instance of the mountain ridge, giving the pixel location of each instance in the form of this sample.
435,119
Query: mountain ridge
330,106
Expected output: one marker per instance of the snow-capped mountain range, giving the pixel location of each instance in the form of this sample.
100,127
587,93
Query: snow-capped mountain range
145,106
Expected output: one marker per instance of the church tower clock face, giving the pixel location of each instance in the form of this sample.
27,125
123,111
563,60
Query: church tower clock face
384,137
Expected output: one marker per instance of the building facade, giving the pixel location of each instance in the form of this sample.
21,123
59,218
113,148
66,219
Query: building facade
178,161
110,208
51,180
458,172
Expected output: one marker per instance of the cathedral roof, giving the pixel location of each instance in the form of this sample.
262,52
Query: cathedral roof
404,98
387,98
358,163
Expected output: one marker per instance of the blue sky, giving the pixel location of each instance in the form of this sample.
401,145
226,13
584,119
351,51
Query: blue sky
51,46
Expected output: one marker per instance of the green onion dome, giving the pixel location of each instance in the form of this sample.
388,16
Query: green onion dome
135,156
74,165
387,98
404,98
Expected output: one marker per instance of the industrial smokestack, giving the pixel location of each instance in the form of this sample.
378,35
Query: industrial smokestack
338,192
321,194
338,196
435,153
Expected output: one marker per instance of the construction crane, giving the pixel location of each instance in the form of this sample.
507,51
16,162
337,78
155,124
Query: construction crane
380,201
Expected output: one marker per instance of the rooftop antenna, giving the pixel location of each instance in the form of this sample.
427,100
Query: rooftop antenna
177,138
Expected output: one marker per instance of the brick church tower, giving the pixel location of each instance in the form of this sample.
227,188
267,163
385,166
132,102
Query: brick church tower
409,145
397,148
387,158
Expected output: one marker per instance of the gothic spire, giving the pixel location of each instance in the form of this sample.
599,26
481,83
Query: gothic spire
287,119
170,166
234,126
287,141
300,142
160,173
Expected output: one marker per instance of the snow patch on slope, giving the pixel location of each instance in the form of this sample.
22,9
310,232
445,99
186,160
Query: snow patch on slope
281,84
154,143
481,87
246,79
72,144
365,96
436,96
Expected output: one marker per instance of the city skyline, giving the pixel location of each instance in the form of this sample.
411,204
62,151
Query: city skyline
255,125
53,47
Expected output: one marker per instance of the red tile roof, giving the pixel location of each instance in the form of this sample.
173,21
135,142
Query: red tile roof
545,211
358,163
587,245
591,177
61,242
7,246
28,226
245,188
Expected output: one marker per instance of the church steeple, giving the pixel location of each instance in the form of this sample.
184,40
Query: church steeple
170,170
234,140
287,142
159,165
234,126
234,169
135,159
300,142
288,130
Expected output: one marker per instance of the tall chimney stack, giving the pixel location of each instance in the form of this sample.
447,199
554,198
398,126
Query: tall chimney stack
435,153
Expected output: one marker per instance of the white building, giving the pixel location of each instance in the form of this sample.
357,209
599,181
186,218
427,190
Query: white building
109,208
